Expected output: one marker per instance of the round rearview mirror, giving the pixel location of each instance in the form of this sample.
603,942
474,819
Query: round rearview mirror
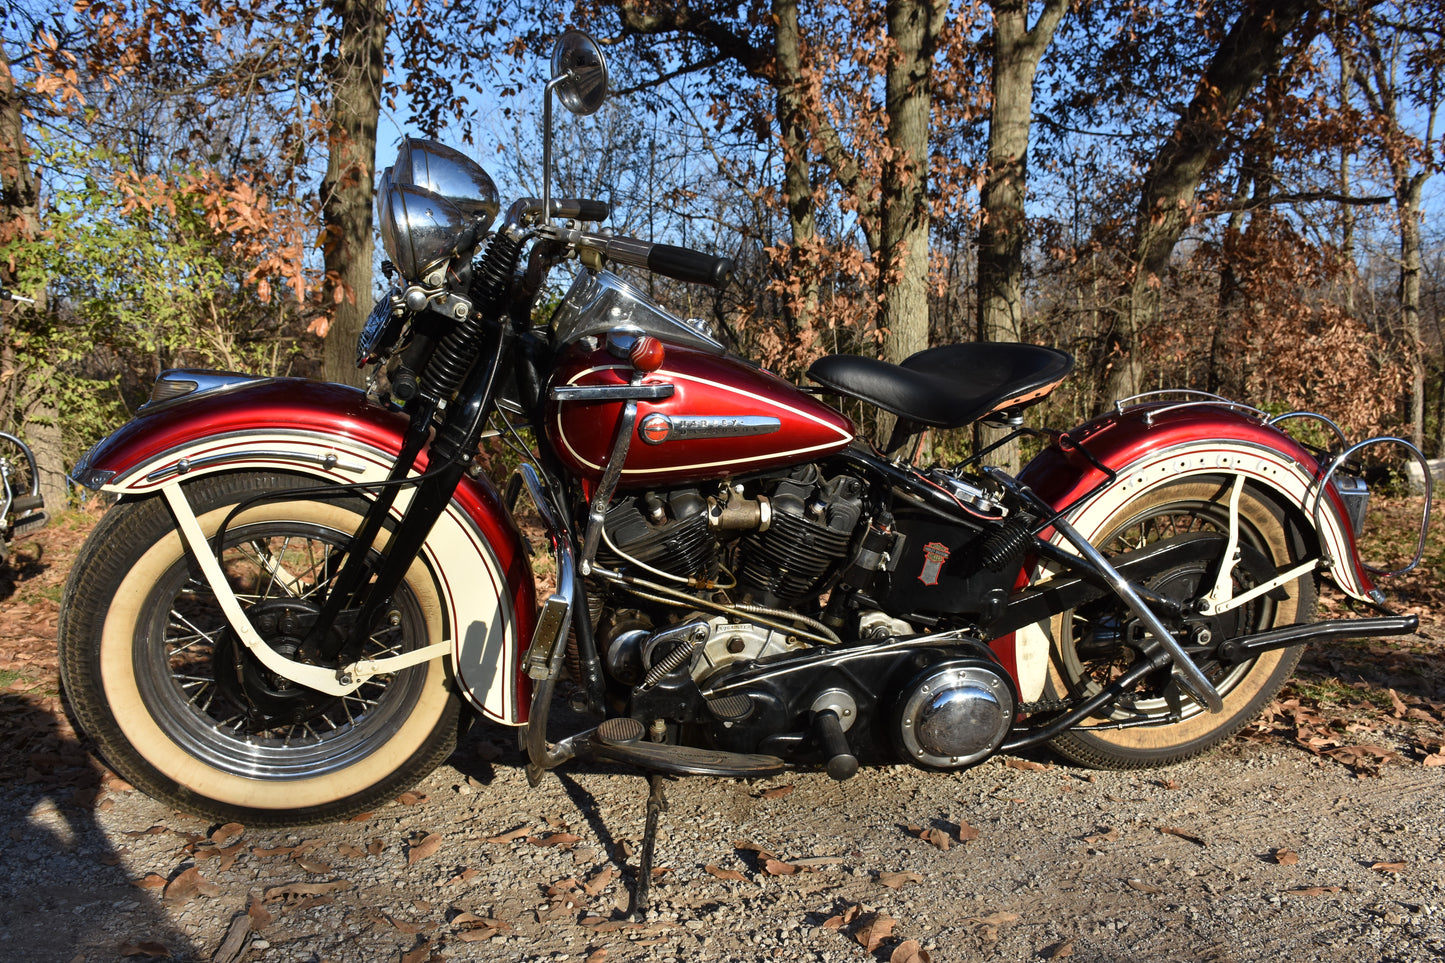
579,72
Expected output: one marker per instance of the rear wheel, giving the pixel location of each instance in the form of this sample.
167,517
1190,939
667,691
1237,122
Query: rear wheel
1088,649
180,708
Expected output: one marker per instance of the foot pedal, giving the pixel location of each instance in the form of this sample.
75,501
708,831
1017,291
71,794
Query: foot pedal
26,503
618,741
30,523
828,732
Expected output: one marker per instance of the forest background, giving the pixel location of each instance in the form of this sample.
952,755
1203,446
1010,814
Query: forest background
1212,194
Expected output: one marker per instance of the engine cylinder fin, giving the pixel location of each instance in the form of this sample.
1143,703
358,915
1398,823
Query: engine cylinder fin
792,557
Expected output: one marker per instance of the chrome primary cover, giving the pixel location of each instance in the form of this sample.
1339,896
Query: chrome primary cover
956,714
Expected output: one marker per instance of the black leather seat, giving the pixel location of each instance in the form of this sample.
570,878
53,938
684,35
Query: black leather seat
949,386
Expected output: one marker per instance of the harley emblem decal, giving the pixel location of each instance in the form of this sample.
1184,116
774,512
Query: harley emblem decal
655,428
934,554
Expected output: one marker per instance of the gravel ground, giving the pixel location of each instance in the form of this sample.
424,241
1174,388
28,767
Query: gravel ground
1256,852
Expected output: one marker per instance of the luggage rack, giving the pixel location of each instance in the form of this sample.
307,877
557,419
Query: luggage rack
1182,398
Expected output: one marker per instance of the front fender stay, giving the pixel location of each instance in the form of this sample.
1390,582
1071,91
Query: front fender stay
334,682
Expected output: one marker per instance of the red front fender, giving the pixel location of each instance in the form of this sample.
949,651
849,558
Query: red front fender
332,431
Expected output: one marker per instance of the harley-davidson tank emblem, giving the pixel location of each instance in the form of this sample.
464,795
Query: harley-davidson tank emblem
934,555
657,428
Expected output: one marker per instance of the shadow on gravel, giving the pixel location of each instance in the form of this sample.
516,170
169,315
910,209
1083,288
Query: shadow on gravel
19,566
64,895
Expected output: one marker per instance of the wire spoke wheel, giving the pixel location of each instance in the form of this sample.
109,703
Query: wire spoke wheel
1091,643
212,695
182,708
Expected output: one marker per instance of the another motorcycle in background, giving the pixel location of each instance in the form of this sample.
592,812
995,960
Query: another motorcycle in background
22,510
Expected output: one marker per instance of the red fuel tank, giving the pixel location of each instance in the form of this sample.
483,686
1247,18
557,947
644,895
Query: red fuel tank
724,418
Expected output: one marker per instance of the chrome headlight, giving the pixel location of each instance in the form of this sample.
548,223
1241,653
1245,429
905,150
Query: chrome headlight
419,229
450,174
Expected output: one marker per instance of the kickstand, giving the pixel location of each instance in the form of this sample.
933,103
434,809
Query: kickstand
656,806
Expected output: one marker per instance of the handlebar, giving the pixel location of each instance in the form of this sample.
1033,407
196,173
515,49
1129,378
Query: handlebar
678,263
581,208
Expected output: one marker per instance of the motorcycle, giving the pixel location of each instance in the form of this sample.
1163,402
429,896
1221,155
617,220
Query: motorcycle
307,591
22,509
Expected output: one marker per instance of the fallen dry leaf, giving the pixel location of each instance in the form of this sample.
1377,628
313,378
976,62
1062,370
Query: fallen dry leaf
287,891
418,954
776,867
411,929
966,833
936,837
564,840
278,851
227,834
190,884
873,930
465,876
508,836
412,798
151,881
1058,951
350,851
477,935
563,886
910,952
376,847
720,873
1188,837
898,880
421,849
1387,867
599,881
1104,834
1025,764
260,919
1286,857
312,865
777,793
754,848
987,926
1143,887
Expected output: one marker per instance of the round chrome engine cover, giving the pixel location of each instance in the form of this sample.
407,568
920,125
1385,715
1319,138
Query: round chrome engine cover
956,714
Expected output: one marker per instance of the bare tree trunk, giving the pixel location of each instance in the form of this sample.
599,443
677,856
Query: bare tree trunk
355,73
913,26
1254,44
31,380
1410,193
1017,50
797,182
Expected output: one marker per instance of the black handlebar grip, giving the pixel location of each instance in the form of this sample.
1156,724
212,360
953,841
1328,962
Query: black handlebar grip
581,208
694,267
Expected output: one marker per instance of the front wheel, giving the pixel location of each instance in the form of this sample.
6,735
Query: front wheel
1088,650
179,707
